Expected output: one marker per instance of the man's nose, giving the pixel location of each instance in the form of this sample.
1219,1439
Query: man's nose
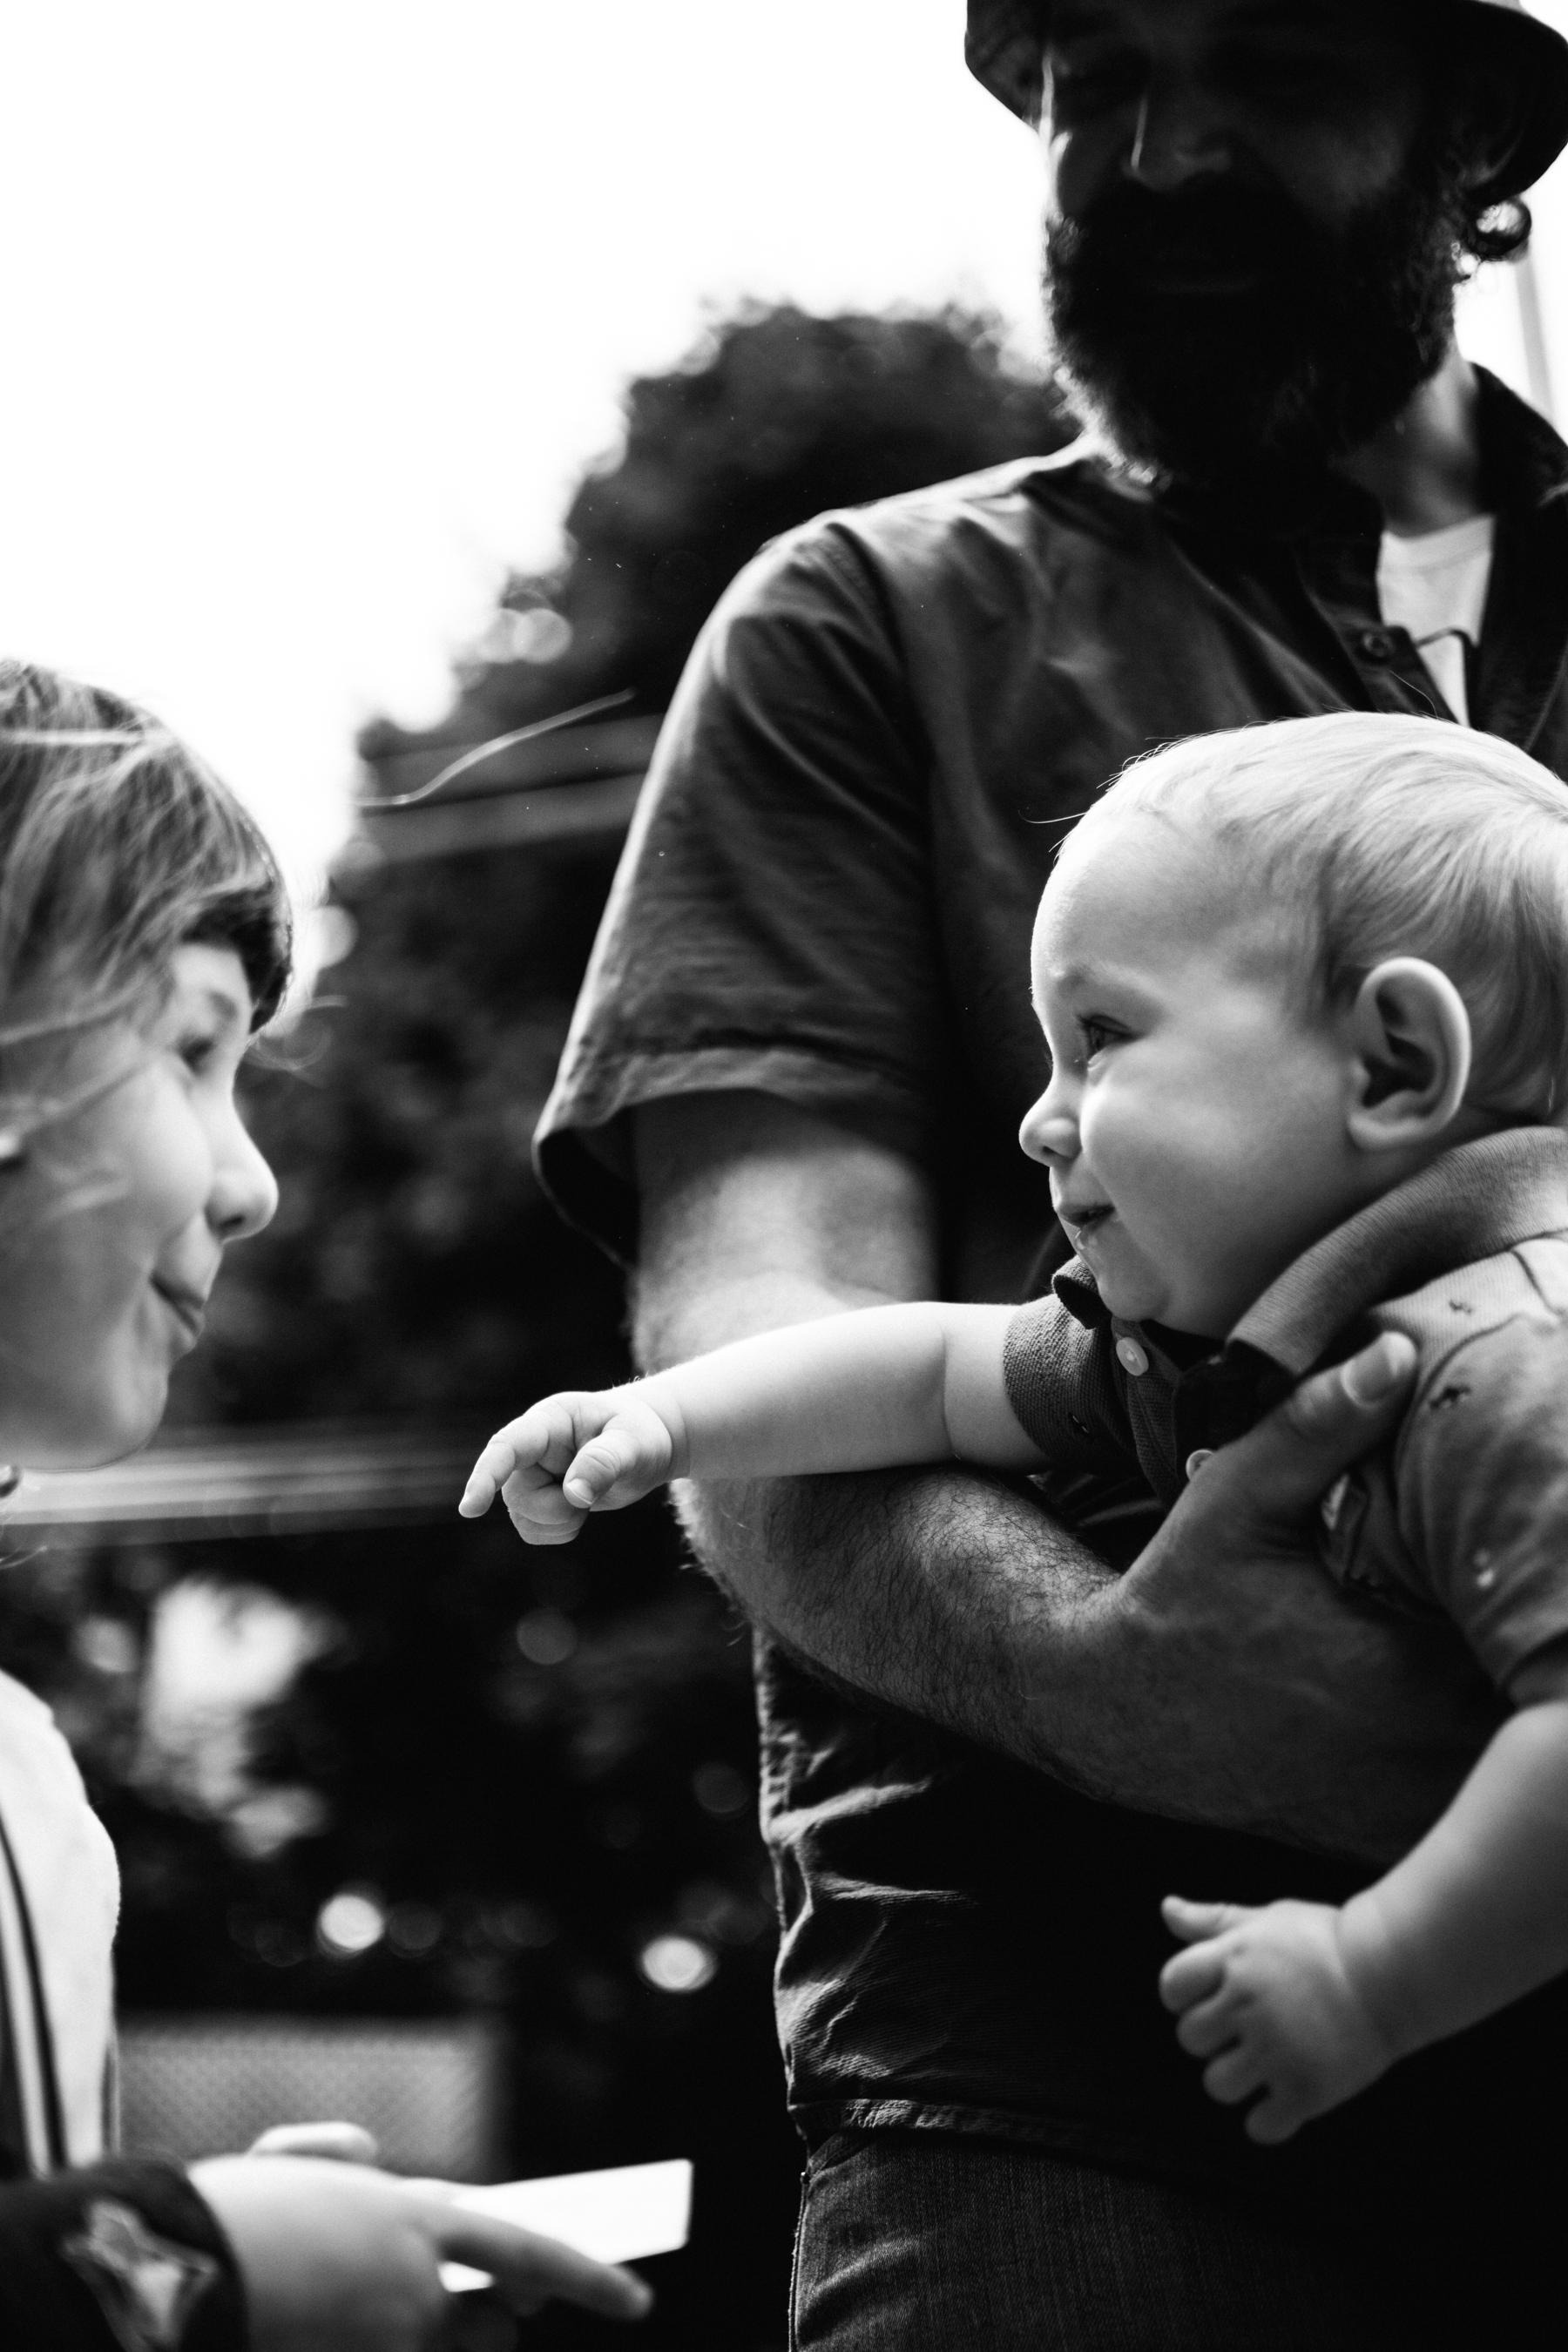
1179,135
243,1196
1049,1132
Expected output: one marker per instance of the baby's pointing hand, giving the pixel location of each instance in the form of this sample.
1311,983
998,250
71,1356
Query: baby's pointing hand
1265,1996
573,1453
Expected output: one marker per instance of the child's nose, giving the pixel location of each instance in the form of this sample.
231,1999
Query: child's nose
1049,1132
243,1196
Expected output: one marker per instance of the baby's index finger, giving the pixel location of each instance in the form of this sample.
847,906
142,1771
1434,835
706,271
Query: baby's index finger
486,1479
508,1450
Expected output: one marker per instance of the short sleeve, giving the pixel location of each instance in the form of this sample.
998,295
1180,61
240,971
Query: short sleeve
1061,1383
772,924
1482,1479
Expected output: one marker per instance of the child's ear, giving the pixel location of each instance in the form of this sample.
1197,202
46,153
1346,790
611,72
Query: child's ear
1411,1037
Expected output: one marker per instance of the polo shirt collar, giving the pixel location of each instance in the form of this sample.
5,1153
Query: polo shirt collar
1475,1201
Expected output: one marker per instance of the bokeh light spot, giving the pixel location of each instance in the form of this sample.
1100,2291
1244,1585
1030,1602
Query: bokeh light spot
350,1923
676,1964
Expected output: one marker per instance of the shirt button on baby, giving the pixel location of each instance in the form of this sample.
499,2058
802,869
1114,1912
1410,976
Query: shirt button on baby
1196,1458
1131,1359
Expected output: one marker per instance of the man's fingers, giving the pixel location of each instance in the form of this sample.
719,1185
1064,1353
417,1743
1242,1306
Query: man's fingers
530,2269
1280,1470
1333,1419
344,2143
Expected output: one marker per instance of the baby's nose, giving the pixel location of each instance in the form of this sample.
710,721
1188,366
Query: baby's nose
1048,1133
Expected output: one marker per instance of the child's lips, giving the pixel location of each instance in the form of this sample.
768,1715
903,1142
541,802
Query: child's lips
1087,1219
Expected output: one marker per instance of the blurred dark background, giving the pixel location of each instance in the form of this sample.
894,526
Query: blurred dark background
402,1767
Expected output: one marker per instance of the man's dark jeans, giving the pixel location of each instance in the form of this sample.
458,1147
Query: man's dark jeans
935,2241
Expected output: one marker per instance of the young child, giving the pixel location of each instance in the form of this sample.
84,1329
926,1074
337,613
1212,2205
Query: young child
143,935
1303,988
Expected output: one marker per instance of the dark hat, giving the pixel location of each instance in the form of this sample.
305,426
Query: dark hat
1004,42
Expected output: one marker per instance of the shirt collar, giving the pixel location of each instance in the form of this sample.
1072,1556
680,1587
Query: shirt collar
1475,1201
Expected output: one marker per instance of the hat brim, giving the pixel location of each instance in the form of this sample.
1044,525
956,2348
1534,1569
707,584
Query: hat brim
1003,49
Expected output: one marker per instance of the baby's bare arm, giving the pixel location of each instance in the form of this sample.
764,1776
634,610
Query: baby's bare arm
874,1389
1477,1914
1307,2004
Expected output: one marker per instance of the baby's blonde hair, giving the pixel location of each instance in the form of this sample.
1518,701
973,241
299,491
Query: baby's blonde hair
1370,836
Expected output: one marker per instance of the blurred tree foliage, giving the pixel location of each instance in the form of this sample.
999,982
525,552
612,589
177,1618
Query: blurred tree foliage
537,1764
774,417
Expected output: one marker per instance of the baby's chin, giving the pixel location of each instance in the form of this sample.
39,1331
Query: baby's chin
1141,1299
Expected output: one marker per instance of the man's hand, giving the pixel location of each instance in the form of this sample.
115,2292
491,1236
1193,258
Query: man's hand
579,1452
1266,1996
1223,1680
338,2258
1309,1715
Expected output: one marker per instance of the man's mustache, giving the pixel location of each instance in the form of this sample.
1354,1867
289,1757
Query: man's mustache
1130,236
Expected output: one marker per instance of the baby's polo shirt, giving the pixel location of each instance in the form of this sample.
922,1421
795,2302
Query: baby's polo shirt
1463,1513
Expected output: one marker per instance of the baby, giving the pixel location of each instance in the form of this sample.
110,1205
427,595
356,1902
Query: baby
1303,988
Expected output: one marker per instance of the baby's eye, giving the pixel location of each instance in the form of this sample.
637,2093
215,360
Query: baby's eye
1097,1035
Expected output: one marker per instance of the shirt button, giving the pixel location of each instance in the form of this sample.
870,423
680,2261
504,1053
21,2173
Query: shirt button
1131,1359
1375,646
1195,1460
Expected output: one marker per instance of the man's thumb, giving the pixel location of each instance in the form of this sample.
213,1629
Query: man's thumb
1330,1422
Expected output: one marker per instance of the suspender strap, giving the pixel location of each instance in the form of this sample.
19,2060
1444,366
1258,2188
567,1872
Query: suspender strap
52,2155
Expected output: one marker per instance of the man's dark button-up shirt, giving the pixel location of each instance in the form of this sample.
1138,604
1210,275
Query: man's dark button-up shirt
827,895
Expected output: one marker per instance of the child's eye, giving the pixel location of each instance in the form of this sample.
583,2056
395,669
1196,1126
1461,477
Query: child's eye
1097,1035
196,1053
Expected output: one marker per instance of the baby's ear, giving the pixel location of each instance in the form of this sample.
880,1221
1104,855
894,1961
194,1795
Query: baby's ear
1411,1037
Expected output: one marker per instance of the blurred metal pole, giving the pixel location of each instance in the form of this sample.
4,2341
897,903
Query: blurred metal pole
1532,327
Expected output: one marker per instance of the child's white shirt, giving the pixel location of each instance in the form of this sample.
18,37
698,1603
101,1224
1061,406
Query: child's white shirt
70,1887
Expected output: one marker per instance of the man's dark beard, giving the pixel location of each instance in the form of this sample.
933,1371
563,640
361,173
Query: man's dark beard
1249,395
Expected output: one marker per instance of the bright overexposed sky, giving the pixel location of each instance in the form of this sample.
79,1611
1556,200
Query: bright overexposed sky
317,307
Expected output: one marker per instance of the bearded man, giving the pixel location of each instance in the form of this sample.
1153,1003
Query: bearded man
794,1085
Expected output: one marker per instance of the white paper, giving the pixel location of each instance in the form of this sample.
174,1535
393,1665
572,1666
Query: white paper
619,2216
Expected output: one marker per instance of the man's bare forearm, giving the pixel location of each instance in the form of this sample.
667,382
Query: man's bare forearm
1222,1679
962,1602
938,1593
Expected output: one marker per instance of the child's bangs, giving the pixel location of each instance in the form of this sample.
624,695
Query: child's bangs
117,846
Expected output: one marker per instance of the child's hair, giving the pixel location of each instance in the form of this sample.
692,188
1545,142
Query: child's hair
1372,835
117,846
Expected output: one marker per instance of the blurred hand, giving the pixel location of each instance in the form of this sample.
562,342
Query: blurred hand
338,2258
344,2143
575,1453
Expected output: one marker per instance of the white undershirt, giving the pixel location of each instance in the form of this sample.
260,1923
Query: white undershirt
1435,586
